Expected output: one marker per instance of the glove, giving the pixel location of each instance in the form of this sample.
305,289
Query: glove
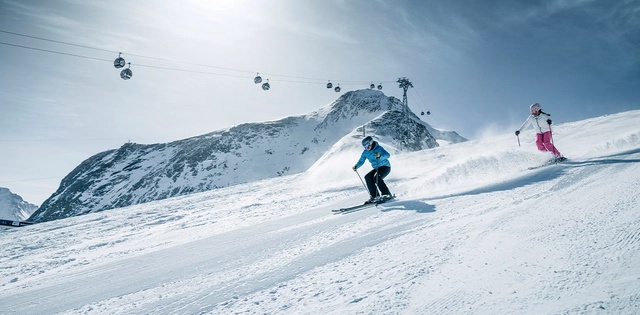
549,121
377,155
517,132
354,168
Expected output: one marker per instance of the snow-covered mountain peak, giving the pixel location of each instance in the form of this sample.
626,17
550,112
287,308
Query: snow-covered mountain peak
13,207
137,173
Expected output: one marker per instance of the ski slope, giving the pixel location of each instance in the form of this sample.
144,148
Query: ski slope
472,231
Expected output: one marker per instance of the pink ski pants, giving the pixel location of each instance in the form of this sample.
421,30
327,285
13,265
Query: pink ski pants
543,141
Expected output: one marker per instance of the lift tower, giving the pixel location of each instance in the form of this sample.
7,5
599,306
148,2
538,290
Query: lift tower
405,84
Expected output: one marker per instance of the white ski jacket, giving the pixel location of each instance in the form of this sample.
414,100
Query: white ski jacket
539,122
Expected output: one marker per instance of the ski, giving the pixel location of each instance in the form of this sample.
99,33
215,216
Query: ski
362,206
354,208
550,162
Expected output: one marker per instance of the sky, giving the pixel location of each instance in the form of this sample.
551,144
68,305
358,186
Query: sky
475,66
471,231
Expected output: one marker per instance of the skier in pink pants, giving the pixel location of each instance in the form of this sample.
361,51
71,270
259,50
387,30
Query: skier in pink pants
543,138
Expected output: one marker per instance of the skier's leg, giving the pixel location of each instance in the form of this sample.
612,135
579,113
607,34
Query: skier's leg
548,145
383,171
540,142
370,179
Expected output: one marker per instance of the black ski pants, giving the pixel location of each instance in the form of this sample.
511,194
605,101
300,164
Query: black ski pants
376,177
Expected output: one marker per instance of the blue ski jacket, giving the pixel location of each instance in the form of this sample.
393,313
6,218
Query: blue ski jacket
370,155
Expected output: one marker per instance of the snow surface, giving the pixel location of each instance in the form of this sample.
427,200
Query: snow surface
473,231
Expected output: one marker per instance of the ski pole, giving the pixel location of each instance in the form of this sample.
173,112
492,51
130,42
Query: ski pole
365,186
378,176
549,125
551,138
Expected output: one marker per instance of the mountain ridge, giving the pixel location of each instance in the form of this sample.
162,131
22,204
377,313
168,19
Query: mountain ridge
13,207
138,173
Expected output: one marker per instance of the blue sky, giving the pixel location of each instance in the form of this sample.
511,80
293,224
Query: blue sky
476,65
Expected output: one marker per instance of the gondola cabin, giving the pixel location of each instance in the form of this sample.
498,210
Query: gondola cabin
119,62
126,74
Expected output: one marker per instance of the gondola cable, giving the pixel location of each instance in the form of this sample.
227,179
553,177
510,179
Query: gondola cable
120,61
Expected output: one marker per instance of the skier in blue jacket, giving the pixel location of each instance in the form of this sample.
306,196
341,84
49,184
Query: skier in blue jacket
379,159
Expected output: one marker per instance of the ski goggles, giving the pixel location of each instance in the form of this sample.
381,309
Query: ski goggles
535,111
368,146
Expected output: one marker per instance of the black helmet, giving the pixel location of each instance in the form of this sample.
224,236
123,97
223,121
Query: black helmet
367,141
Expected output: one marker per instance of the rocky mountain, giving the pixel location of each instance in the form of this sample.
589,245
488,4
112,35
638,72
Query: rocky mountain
137,173
13,207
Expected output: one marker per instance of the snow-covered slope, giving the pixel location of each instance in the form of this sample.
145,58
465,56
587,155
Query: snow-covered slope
473,231
13,207
137,173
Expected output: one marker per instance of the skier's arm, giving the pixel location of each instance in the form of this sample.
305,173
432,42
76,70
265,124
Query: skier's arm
525,124
360,161
383,154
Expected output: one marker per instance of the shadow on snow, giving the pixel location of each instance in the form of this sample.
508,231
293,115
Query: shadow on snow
415,205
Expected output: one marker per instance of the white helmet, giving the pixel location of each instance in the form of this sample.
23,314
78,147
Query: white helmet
535,108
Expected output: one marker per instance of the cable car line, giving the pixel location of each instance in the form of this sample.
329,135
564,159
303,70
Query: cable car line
112,51
120,63
30,179
168,68
423,102
54,52
55,41
432,119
